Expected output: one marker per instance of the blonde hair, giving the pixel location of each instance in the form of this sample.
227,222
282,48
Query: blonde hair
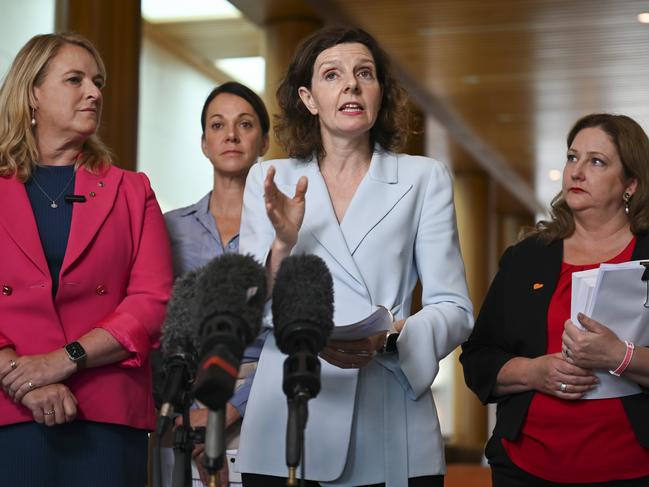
18,150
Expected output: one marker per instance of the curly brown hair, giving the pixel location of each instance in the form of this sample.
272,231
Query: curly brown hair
298,131
632,146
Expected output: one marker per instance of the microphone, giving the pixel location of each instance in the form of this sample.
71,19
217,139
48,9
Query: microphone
303,320
178,348
229,304
230,298
74,198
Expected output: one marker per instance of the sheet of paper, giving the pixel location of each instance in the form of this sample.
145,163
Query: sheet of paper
617,301
583,284
380,320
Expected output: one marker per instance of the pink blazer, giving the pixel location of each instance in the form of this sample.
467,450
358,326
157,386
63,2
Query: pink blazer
116,275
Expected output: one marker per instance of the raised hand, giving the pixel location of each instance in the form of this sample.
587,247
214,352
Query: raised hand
286,214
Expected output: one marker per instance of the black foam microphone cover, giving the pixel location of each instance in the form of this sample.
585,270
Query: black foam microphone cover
179,327
303,304
229,306
178,344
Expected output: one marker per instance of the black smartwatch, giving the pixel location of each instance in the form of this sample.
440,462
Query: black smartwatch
390,343
76,353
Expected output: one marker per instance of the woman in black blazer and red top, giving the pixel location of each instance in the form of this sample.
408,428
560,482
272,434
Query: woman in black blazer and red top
526,355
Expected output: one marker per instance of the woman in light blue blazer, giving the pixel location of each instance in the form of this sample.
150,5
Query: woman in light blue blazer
380,220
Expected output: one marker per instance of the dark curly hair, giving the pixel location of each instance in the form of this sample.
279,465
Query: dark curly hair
298,131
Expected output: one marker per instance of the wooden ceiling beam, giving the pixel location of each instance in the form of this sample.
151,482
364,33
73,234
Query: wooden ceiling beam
261,12
179,50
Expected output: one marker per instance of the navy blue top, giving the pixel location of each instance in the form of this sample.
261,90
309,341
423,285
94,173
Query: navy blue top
53,223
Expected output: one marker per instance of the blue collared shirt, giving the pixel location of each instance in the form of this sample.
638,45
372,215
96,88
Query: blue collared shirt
195,241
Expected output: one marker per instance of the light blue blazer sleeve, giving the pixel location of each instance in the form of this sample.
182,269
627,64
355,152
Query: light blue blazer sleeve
446,319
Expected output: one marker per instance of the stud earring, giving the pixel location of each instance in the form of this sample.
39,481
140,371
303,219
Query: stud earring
627,198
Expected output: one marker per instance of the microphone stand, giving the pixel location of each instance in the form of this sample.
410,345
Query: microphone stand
214,445
185,437
301,383
298,413
183,446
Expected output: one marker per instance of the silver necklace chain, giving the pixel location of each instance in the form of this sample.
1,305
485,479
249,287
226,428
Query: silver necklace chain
53,200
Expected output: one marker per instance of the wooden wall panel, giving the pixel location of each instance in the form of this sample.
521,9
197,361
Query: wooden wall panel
114,28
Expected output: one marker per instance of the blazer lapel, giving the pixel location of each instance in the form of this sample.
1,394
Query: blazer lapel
100,191
18,219
320,220
545,269
375,197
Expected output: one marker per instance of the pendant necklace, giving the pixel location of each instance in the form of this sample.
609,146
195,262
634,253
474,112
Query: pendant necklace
53,200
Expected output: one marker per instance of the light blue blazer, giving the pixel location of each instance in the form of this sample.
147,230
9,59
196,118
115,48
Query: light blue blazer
378,424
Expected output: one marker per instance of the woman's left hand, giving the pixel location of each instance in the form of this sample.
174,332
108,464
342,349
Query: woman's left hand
52,404
353,354
596,347
29,372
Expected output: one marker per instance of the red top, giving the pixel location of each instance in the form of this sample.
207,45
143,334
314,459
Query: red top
577,441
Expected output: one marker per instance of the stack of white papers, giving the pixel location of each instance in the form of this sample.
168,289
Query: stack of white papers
380,320
613,295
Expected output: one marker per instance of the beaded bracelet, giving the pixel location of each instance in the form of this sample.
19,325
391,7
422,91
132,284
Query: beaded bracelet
625,361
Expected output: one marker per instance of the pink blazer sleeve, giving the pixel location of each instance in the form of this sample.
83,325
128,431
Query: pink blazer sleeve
137,320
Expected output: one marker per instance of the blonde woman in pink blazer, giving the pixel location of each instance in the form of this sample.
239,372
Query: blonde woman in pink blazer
85,274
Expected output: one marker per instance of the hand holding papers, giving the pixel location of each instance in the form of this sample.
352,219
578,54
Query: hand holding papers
615,296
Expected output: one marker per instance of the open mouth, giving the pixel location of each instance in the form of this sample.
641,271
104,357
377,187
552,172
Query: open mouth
351,108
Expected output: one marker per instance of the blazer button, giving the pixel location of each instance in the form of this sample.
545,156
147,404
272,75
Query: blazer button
101,289
7,290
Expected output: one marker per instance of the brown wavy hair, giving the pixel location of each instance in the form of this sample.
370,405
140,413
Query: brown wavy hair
18,149
298,131
632,146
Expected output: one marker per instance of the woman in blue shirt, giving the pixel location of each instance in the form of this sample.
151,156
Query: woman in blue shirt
235,133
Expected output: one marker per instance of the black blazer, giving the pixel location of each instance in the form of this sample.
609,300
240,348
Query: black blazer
500,334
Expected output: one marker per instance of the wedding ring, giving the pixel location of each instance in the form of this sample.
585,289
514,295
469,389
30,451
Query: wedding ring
48,413
567,352
30,385
13,364
563,387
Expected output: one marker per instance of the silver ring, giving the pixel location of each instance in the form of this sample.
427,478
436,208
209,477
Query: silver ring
563,387
567,352
30,385
13,364
48,413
